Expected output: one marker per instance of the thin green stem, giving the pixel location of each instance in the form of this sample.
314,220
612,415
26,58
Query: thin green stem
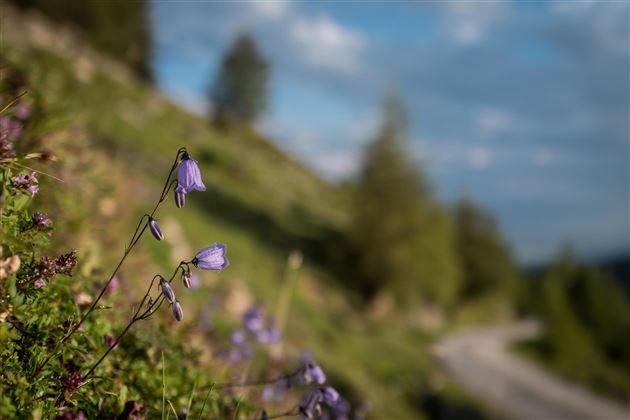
163,385
139,231
205,400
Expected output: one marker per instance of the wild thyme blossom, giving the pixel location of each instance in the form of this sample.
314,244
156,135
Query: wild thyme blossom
47,267
70,415
39,283
113,285
27,182
10,128
65,263
41,220
211,258
6,147
155,229
23,111
110,341
71,382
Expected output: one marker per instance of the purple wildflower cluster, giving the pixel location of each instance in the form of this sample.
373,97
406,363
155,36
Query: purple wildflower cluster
257,327
72,382
47,267
318,397
27,183
312,403
41,221
11,127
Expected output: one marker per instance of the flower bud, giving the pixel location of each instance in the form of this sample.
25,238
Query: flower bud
155,229
177,311
180,197
167,290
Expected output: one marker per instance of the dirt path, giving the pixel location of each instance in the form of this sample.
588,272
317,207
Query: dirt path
518,388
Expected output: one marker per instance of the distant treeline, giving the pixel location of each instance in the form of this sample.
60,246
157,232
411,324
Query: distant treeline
586,320
119,28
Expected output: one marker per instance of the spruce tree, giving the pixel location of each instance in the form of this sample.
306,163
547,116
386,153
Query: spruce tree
240,91
487,266
403,239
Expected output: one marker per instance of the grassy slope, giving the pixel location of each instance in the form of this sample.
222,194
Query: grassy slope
260,202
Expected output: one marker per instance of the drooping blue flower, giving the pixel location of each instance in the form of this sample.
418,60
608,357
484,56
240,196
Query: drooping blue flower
167,290
177,311
311,372
269,335
155,229
189,176
340,410
238,337
253,319
180,196
310,404
330,395
211,258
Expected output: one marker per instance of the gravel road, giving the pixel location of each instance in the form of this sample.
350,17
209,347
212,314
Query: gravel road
517,388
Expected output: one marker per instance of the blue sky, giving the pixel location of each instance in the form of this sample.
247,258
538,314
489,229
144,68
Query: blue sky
521,105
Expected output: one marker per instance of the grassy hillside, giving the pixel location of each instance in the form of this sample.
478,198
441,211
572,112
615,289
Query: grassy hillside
114,139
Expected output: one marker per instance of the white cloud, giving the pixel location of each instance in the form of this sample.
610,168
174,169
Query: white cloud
479,158
325,44
467,23
338,165
271,9
491,121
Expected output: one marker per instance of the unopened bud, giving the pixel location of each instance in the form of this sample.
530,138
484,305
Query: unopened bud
155,229
167,290
177,311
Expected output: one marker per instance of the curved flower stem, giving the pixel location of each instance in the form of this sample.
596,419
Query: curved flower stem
137,234
138,315
286,377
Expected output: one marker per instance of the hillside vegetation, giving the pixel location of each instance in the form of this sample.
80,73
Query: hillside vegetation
113,139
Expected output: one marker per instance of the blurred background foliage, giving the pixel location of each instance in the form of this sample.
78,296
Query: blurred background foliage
388,268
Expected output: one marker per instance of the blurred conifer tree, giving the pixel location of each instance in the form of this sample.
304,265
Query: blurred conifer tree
404,240
487,266
239,92
117,27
